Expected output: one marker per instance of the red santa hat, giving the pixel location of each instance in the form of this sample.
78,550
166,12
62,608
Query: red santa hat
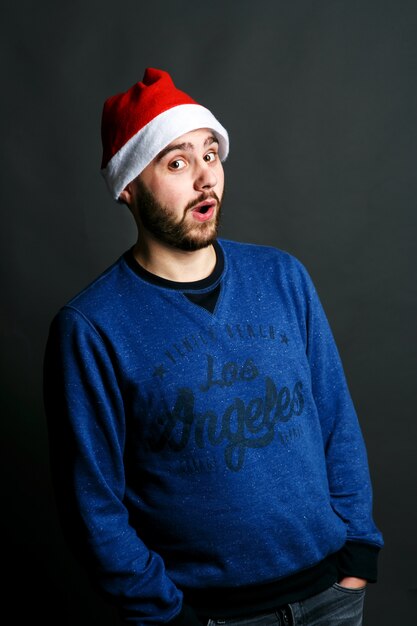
138,124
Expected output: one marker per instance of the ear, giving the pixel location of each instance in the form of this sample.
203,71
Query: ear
126,195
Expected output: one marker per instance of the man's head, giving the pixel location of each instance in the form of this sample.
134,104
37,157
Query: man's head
177,198
162,156
138,124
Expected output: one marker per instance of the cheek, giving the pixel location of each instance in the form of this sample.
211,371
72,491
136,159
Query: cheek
177,191
175,196
220,180
170,192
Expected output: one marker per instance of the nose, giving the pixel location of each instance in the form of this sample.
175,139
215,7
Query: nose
205,177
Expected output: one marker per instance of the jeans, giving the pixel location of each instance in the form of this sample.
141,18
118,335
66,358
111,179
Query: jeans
336,606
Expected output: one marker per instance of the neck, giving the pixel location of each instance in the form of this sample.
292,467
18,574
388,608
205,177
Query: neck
172,264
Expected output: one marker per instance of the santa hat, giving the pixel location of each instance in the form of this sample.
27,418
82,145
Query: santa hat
138,124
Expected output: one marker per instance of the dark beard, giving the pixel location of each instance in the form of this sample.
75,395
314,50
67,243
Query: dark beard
156,219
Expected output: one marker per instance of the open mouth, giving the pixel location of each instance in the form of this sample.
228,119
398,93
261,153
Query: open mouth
204,211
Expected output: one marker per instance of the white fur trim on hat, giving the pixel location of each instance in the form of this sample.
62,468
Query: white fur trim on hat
147,143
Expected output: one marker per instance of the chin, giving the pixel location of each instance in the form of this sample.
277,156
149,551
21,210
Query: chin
191,245
195,239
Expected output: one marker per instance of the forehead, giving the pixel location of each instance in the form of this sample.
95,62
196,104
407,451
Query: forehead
197,135
192,140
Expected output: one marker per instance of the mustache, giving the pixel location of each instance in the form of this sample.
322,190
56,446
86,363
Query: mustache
202,198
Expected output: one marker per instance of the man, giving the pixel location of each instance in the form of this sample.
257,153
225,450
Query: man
208,461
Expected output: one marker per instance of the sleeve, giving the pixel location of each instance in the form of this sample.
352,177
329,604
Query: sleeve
346,458
86,426
358,560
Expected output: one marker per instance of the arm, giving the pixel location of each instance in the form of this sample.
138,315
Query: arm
85,413
346,459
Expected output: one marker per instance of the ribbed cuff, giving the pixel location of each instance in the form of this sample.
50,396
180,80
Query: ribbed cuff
186,617
359,560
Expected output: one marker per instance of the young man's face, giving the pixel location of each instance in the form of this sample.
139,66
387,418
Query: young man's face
178,195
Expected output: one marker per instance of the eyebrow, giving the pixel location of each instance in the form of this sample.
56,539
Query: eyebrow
184,146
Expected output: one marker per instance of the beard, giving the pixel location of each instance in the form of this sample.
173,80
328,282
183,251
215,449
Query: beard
161,223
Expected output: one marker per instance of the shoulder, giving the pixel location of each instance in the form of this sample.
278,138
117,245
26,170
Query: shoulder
100,285
256,252
99,297
268,259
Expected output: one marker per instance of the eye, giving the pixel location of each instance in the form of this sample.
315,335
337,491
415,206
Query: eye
177,164
210,157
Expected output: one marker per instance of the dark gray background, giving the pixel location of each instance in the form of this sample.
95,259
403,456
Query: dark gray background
319,98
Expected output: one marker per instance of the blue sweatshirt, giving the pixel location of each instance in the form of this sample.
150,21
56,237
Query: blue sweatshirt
203,450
